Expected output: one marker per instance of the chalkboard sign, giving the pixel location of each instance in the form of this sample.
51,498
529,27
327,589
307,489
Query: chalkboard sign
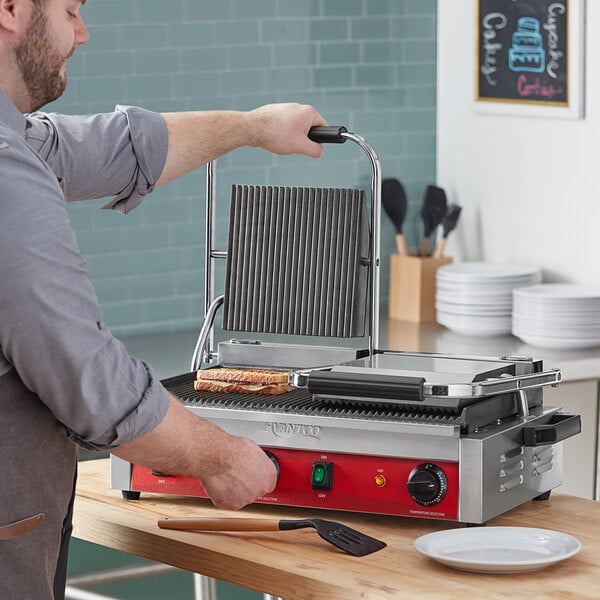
526,55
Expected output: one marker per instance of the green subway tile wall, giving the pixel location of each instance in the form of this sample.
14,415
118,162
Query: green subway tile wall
365,64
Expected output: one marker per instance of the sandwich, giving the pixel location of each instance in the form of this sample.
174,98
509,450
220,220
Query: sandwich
242,381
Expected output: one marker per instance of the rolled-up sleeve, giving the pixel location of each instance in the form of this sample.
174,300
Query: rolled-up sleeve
144,129
120,154
51,325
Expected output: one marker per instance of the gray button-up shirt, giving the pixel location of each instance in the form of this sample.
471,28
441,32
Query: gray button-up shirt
51,327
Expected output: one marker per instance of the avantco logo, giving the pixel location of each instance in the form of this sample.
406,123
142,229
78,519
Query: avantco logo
290,430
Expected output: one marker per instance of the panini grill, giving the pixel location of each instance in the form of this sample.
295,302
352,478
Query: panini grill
411,434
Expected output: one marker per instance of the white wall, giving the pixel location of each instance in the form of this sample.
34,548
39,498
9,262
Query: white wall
529,186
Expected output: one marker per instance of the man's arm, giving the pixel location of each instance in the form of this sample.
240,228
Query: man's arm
233,470
196,138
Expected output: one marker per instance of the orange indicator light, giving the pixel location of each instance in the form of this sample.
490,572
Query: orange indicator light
380,480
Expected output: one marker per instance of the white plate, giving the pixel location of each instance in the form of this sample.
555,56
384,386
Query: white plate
553,296
462,309
470,300
576,318
484,271
474,320
554,343
498,549
476,330
555,330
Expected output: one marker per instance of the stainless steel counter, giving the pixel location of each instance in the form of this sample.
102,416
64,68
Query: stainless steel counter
575,365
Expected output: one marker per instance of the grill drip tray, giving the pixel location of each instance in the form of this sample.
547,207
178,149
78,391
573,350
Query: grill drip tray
301,401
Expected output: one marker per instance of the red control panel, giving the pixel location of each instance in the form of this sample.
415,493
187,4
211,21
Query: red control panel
331,480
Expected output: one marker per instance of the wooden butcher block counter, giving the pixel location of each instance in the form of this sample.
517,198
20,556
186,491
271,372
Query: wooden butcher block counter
299,565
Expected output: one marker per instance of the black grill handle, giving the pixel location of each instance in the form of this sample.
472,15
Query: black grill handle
327,134
561,427
361,385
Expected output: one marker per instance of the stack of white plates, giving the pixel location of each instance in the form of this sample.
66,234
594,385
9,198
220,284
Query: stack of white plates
475,298
557,315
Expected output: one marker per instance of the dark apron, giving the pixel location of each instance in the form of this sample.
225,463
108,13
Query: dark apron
37,475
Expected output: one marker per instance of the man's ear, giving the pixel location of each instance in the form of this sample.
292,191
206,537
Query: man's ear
14,14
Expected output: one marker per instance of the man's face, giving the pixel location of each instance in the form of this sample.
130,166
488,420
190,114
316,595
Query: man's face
55,29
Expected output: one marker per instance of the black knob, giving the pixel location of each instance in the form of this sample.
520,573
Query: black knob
427,484
274,460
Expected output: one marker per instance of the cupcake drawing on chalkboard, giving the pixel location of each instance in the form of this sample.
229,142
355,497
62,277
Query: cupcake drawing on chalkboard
527,52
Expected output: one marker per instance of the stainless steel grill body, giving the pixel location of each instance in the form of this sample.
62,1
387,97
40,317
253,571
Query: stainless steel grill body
496,471
483,435
299,262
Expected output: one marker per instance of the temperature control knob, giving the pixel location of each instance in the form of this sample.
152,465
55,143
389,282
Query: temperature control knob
427,484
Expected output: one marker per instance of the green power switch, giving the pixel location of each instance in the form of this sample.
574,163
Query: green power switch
322,476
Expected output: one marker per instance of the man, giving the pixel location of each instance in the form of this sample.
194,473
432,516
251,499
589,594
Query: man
63,377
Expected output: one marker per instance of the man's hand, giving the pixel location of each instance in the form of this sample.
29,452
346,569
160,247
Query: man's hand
247,474
283,129
233,470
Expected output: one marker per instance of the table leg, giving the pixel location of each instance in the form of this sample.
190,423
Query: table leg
205,588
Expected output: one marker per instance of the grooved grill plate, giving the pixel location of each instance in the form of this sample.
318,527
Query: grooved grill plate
300,401
296,261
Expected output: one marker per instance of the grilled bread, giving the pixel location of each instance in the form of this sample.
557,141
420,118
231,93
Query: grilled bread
242,381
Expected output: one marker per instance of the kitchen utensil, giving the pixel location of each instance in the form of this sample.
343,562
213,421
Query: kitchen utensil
449,221
434,208
347,539
393,198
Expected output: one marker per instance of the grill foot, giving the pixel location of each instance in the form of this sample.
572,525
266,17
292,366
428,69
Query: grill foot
542,497
130,495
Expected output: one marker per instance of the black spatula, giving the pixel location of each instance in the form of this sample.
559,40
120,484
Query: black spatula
347,539
449,222
434,208
393,199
